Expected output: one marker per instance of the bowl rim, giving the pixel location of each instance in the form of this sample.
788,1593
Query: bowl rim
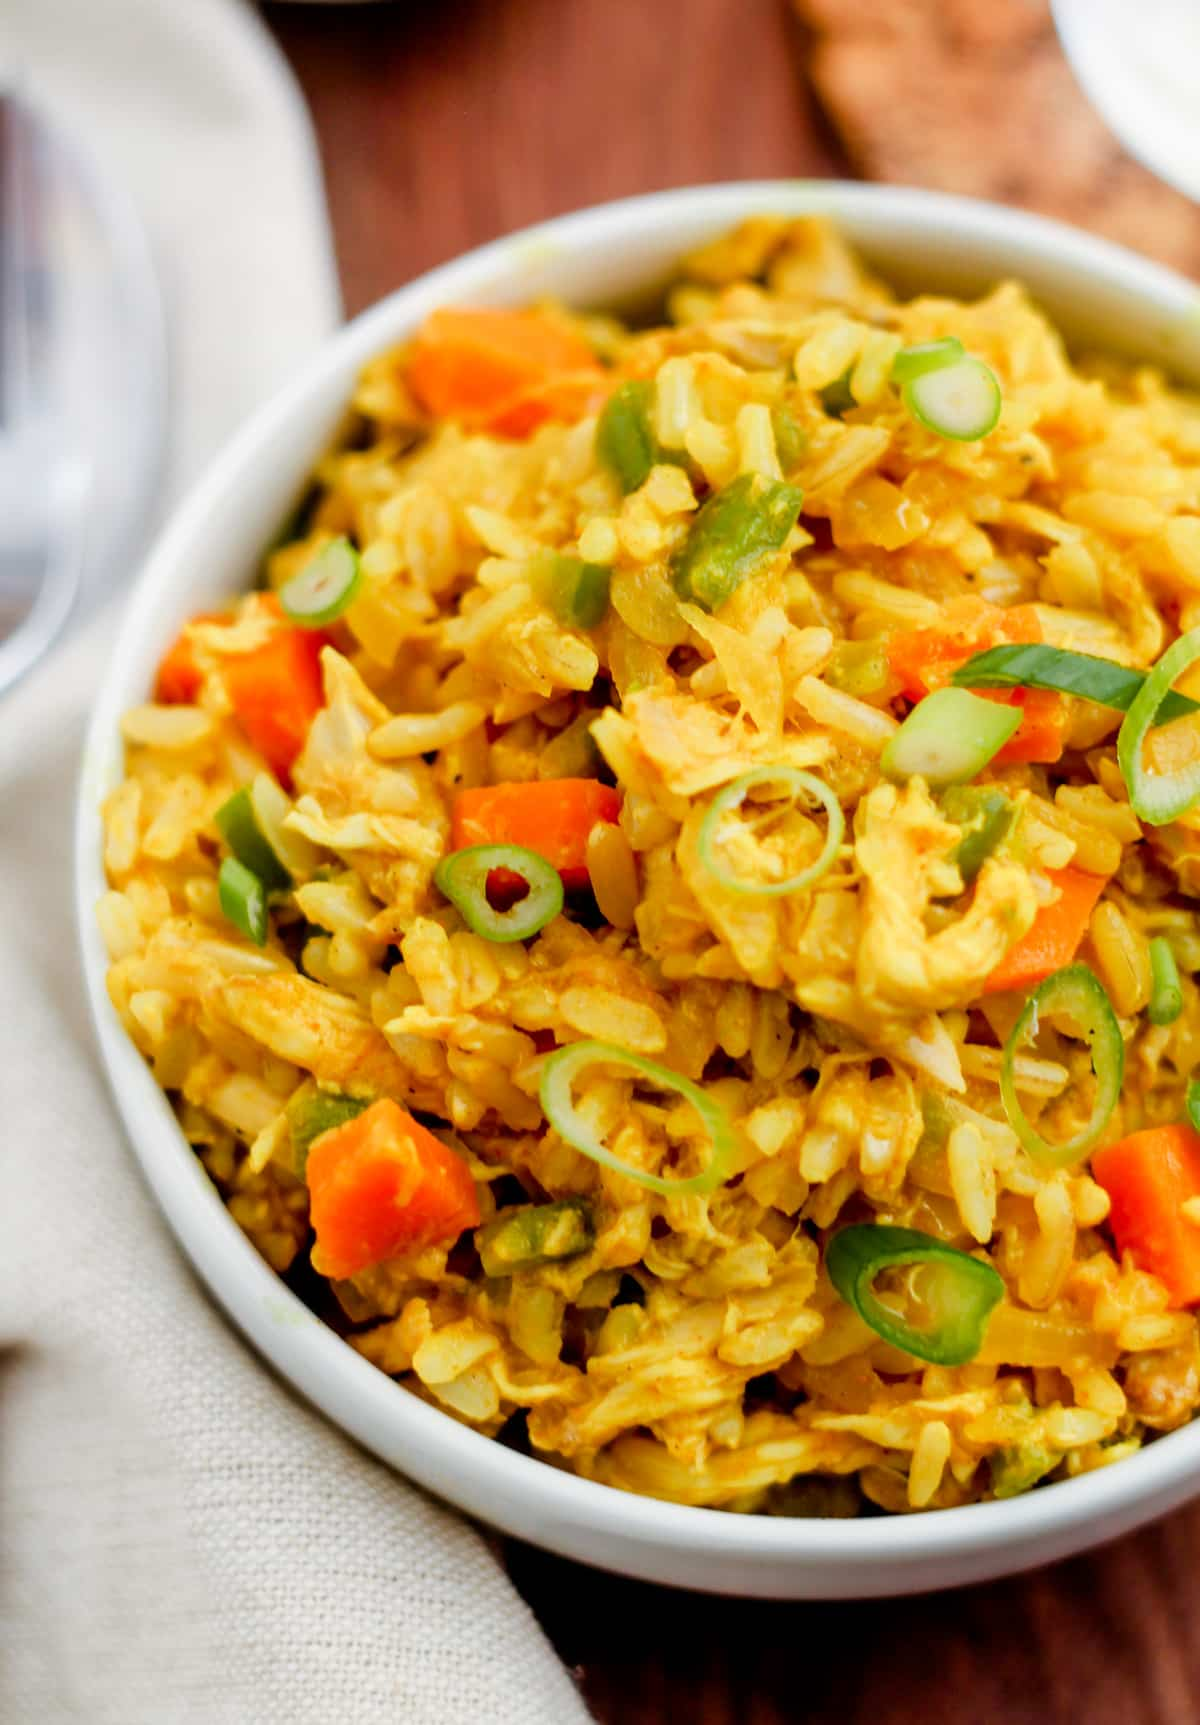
417,1439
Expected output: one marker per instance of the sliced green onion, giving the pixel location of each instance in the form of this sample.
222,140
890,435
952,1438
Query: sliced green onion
463,878
926,356
625,440
566,1064
577,592
961,401
272,806
959,1291
1158,797
732,797
731,534
243,900
311,1112
1035,666
324,587
1079,995
791,439
949,737
836,398
1193,1103
535,1234
1166,994
251,822
986,817
238,825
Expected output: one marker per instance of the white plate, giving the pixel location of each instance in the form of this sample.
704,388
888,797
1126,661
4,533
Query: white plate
1100,294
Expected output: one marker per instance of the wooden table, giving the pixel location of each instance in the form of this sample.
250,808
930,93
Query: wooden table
443,124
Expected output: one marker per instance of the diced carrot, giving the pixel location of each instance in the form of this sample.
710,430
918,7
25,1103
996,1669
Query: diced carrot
1054,938
568,397
550,816
1147,1177
1043,725
501,370
925,659
179,676
276,692
381,1184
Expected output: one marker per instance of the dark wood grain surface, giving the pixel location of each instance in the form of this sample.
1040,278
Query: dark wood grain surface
443,123
446,122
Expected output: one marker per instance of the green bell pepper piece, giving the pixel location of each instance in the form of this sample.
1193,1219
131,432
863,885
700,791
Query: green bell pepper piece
731,534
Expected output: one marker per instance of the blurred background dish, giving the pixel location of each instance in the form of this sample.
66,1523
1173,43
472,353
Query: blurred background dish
971,97
1138,64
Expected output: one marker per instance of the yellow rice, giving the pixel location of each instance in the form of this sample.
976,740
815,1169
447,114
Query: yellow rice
823,1020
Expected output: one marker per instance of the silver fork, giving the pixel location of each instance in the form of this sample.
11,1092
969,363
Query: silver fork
44,482
82,382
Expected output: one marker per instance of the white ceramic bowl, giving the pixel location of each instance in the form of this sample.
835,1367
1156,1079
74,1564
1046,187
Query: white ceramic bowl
1099,294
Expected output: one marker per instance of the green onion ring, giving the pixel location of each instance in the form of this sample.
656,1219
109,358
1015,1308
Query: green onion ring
1033,665
734,795
960,401
1077,991
463,877
926,356
965,1289
554,1093
1158,797
325,587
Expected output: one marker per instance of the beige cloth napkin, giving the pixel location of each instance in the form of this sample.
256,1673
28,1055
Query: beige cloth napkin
181,1541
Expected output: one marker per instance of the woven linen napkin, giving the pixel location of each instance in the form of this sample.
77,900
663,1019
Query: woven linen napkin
181,1541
